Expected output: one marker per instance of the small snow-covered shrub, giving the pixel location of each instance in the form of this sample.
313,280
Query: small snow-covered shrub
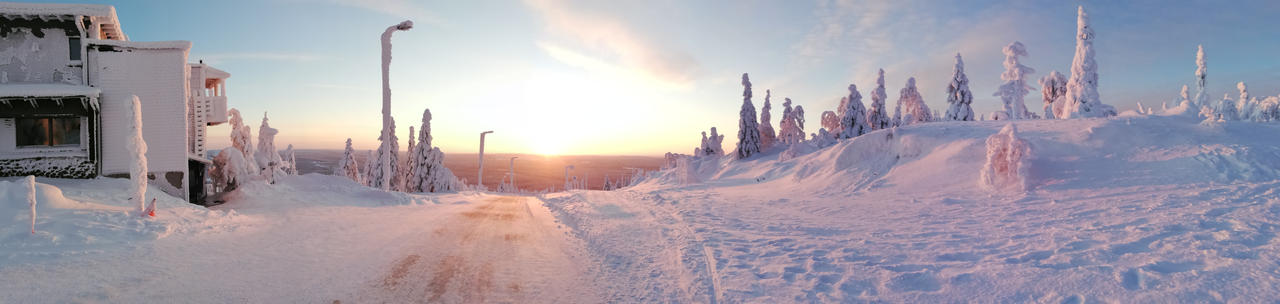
1008,161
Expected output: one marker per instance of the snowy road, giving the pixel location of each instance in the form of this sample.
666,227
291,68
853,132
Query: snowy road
504,249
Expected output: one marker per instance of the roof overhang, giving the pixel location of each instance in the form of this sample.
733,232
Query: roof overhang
10,90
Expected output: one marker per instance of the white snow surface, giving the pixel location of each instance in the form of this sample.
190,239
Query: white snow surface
1136,208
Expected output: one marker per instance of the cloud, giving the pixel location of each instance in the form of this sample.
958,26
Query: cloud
257,56
603,34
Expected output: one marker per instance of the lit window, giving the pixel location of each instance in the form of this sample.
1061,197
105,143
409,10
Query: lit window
50,132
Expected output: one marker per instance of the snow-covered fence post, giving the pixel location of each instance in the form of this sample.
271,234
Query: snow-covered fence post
138,154
31,200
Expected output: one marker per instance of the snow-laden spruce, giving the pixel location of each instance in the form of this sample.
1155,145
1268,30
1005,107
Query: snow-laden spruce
405,172
1053,89
791,128
137,155
242,140
830,121
877,114
1082,88
853,117
711,146
429,173
912,104
290,160
1226,109
1008,161
959,97
1202,73
748,129
370,160
382,173
268,157
767,135
348,166
1015,86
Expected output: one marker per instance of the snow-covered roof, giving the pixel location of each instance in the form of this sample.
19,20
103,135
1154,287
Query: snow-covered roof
212,72
176,44
103,14
47,90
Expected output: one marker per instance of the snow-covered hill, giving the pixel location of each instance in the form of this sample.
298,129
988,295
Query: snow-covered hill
1133,208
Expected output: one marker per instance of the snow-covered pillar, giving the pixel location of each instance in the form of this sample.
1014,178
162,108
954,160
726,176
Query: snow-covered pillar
31,200
138,154
480,173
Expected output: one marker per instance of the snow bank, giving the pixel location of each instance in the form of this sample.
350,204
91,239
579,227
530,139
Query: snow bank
76,216
313,190
1008,161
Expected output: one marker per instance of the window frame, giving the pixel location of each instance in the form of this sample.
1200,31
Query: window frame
80,136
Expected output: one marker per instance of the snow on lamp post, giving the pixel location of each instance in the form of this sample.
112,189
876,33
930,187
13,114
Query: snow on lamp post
512,171
388,146
566,177
480,173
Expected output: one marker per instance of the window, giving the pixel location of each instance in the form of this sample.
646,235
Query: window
49,132
74,44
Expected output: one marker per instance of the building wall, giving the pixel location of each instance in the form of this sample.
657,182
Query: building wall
26,58
159,78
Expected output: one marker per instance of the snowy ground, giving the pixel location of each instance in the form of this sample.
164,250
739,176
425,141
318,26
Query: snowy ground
1130,209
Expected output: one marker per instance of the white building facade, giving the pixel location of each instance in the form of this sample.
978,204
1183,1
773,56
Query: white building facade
67,76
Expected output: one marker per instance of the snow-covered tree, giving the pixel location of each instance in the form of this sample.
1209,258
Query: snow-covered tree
370,161
348,166
1184,98
830,120
290,160
748,129
959,97
1202,72
268,157
791,128
714,145
1053,88
1082,88
1227,108
1015,86
137,155
382,174
242,140
1246,106
915,110
1008,161
1269,109
877,114
429,173
767,135
406,170
853,120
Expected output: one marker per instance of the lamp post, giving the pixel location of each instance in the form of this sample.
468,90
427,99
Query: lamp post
386,145
512,171
480,174
566,177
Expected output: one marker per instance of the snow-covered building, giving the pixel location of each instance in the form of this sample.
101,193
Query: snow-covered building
68,74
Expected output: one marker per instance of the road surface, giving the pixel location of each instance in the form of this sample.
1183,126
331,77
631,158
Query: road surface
502,249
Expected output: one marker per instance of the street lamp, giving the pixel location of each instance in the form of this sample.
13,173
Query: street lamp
386,145
480,173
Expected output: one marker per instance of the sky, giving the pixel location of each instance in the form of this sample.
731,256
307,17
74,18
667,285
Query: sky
646,77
